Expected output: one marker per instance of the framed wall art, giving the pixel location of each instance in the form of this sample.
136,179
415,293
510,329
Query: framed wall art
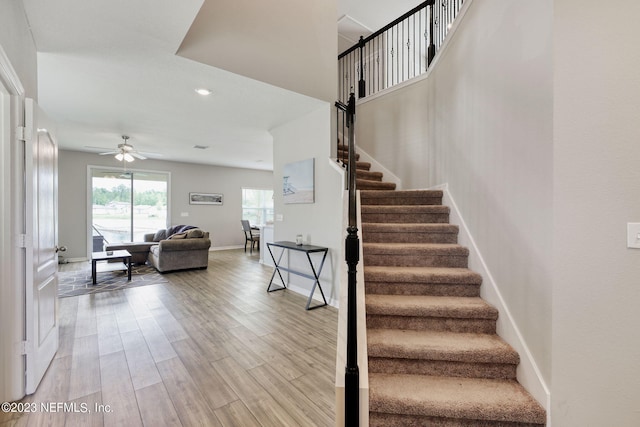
205,199
298,182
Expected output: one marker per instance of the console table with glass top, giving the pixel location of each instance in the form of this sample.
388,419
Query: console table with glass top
315,276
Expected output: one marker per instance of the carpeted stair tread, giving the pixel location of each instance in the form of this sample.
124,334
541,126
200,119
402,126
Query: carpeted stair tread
415,254
437,281
401,197
421,275
377,232
453,397
429,306
439,345
363,165
405,214
440,249
404,209
382,227
365,184
368,175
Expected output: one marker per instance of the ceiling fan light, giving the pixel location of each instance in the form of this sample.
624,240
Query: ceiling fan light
128,157
119,157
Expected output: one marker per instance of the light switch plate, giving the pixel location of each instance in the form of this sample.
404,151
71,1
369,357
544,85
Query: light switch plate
184,213
633,235
279,217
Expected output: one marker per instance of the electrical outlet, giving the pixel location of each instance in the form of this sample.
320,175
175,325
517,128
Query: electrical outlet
633,235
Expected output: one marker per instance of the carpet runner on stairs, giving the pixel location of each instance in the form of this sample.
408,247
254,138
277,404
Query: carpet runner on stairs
434,356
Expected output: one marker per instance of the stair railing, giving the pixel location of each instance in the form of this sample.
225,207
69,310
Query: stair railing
399,51
352,257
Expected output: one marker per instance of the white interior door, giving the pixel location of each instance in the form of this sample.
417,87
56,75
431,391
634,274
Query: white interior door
41,182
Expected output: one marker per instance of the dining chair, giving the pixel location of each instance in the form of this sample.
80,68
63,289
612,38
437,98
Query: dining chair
249,235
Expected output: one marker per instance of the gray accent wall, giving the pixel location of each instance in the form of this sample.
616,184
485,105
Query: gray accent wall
222,222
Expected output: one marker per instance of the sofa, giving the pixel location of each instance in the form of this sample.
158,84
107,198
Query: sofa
139,250
185,249
176,248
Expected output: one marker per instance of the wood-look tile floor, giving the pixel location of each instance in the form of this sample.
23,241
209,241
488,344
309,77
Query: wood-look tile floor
209,348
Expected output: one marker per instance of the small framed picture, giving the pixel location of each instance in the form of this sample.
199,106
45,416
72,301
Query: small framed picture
205,199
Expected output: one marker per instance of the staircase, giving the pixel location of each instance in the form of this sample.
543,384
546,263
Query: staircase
434,356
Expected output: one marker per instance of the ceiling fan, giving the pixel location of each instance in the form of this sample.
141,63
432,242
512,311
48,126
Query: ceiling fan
125,152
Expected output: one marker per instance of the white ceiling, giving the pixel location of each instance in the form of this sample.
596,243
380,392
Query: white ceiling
108,68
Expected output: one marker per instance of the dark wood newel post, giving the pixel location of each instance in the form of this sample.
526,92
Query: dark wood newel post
352,257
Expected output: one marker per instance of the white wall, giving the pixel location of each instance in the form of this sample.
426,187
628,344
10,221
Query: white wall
222,222
16,41
320,222
288,43
481,123
596,293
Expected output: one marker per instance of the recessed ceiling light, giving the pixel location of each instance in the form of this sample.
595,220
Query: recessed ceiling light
203,92
201,147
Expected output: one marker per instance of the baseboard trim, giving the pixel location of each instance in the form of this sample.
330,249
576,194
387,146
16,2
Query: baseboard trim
224,248
333,302
528,373
81,259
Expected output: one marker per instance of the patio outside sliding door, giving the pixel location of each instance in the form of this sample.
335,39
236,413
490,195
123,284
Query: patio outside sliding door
127,205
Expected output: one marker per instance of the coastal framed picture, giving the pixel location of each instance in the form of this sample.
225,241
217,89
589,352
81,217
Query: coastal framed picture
298,182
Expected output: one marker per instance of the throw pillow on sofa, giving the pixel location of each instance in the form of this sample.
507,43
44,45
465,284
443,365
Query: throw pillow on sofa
160,235
195,233
165,234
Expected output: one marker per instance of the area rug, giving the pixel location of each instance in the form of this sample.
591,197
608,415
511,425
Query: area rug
74,283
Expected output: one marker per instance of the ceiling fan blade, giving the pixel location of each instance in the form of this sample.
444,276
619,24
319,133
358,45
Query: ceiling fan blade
137,155
98,148
108,152
150,154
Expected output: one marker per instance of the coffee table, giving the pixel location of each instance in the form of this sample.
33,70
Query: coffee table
123,255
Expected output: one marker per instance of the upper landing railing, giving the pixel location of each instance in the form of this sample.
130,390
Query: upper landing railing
397,52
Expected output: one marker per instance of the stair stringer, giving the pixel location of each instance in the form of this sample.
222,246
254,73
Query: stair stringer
377,167
528,373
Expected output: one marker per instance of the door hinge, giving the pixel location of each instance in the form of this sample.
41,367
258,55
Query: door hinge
21,133
22,240
24,347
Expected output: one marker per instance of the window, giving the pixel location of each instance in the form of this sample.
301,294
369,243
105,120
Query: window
257,206
127,205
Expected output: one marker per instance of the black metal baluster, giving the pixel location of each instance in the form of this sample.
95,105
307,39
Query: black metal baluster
398,50
420,42
431,50
413,69
370,68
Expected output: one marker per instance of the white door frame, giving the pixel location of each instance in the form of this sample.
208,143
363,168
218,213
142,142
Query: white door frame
12,251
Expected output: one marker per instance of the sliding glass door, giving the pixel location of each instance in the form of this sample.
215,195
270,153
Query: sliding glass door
127,205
